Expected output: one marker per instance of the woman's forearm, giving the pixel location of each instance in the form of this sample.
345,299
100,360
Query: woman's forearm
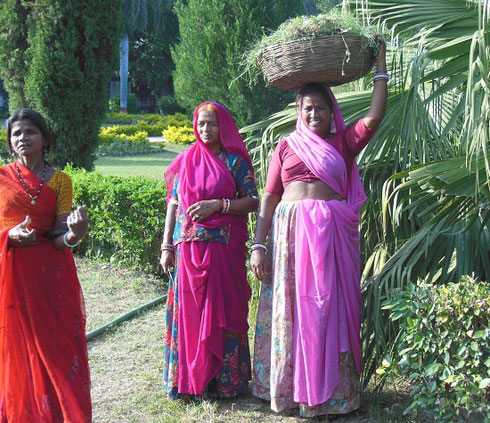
243,205
377,109
169,224
264,219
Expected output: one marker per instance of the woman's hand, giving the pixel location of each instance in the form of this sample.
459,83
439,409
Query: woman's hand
203,209
77,223
258,262
167,260
21,235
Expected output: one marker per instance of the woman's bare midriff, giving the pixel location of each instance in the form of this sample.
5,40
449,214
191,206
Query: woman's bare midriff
316,190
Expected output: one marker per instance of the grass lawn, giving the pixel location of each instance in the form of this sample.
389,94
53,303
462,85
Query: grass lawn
151,165
126,362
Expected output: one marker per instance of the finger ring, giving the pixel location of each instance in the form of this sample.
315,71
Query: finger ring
197,216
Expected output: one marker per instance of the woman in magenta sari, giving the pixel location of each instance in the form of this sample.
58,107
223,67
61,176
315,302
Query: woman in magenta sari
211,190
307,343
44,374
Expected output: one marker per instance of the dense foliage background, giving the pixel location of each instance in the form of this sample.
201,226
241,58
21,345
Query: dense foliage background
214,34
57,57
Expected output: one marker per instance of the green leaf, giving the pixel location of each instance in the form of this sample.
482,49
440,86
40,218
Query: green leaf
432,368
484,383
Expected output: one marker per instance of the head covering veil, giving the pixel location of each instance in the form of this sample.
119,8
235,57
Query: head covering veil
201,174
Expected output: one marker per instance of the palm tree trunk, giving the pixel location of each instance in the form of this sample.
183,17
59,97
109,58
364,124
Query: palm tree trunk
124,58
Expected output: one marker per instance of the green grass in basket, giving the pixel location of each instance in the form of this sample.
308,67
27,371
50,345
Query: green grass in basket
307,28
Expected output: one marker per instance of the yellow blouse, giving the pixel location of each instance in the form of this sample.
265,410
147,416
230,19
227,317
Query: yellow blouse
62,185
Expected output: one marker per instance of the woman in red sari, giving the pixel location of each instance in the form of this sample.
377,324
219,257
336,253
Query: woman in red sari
211,190
44,374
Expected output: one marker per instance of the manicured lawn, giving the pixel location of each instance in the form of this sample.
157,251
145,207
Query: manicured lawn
151,165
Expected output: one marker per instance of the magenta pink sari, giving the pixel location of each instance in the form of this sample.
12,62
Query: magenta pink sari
212,278
328,297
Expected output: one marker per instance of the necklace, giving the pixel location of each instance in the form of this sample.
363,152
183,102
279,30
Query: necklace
35,197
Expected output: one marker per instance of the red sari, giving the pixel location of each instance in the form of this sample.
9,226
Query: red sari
44,374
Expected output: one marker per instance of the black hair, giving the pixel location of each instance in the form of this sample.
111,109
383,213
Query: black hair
314,87
37,119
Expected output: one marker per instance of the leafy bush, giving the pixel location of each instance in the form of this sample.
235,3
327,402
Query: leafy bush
177,119
444,348
153,129
168,105
115,103
109,134
4,150
127,217
207,66
179,135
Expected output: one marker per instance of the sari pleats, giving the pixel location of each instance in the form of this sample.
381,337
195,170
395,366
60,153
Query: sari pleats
282,355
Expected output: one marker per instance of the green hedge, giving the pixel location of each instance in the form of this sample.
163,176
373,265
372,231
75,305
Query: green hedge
127,217
443,348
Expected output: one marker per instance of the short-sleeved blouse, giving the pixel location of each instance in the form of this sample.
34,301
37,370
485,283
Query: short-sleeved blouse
286,167
244,180
62,186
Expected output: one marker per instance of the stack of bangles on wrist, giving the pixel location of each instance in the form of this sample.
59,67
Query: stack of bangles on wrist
167,247
381,75
258,246
226,205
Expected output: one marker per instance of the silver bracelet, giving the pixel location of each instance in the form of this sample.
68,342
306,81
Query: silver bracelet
66,242
168,247
381,76
258,246
226,205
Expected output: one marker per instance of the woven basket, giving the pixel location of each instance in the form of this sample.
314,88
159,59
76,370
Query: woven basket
292,63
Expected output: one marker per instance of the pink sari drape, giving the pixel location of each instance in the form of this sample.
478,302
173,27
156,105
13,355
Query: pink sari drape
212,279
328,297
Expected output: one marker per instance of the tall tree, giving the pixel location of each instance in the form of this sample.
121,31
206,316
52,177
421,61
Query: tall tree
59,56
13,46
214,34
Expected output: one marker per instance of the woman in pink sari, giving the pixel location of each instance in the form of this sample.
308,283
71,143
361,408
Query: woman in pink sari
307,344
211,190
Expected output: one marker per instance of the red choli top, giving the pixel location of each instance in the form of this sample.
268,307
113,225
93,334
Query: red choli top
286,167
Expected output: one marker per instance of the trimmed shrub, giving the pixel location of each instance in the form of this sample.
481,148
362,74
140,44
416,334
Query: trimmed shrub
153,129
115,104
179,135
109,134
177,119
127,217
168,105
444,348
